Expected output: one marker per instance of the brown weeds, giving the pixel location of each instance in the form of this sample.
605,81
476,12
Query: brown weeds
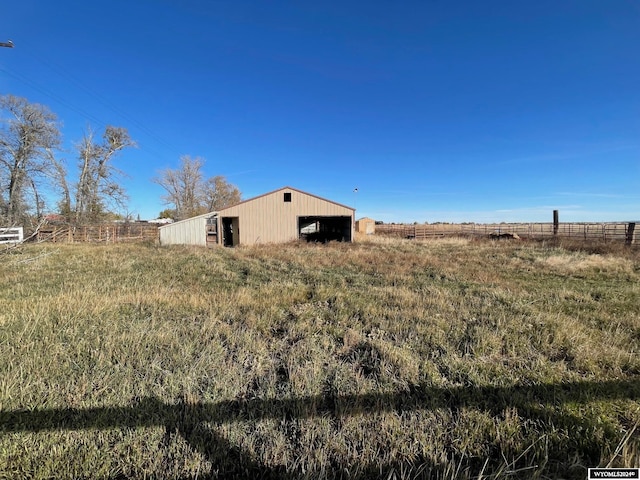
385,358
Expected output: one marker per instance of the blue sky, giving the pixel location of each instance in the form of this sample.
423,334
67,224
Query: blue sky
435,110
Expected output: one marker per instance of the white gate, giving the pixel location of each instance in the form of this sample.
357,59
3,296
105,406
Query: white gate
11,235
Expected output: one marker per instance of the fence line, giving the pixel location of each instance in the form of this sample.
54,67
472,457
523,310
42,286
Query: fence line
110,233
11,235
607,231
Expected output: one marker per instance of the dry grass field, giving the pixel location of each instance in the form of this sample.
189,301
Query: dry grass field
385,358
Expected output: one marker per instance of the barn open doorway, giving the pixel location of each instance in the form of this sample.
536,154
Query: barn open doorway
324,229
230,231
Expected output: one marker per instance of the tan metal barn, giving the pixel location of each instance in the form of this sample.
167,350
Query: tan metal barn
191,231
280,216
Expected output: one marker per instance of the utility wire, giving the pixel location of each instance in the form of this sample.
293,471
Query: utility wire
100,98
71,106
53,96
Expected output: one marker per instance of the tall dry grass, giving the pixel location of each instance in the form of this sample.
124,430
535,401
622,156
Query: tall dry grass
385,358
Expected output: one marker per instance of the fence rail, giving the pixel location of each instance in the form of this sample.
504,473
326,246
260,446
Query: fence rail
613,231
11,235
99,233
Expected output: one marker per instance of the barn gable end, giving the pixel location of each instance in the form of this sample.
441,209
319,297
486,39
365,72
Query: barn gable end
280,216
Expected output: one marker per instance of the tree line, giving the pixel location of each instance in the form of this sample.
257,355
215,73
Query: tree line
31,164
190,193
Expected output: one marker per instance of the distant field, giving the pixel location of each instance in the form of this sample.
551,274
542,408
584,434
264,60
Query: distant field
382,359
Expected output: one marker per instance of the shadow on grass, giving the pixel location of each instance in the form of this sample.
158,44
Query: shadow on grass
542,402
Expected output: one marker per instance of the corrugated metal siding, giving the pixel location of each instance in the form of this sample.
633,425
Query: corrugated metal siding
269,219
191,231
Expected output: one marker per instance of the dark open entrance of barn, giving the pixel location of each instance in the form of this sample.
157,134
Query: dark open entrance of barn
324,229
230,231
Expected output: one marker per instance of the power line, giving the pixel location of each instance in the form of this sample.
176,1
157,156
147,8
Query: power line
73,107
53,96
100,98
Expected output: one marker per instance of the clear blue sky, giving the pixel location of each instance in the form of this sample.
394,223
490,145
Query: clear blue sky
435,110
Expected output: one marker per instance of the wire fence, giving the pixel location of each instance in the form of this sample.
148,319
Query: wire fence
108,233
610,231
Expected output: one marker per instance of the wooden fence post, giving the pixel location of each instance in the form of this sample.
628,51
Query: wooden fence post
556,223
629,237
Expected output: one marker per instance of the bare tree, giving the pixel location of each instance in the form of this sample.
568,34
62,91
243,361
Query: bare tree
98,179
64,204
29,135
188,191
218,193
183,186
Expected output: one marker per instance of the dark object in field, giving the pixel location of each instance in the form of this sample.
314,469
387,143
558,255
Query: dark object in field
507,236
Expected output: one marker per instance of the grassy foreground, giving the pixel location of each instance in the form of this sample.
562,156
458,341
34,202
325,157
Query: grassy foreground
386,358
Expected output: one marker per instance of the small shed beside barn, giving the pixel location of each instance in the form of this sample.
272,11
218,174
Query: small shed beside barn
280,216
366,225
191,231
